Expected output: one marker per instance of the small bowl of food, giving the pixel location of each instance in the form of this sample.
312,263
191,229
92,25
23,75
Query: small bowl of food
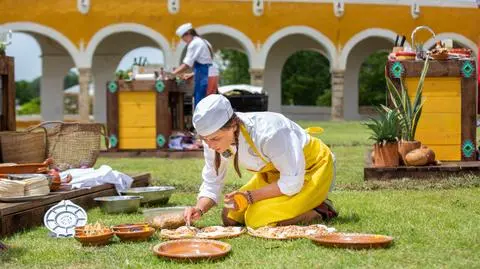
93,235
165,217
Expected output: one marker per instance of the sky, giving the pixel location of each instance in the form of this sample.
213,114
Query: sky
28,62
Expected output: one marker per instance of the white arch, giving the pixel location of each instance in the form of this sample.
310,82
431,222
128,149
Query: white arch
456,37
127,27
243,39
49,32
304,30
359,37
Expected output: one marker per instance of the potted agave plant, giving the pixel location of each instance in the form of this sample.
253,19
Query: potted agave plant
385,132
408,112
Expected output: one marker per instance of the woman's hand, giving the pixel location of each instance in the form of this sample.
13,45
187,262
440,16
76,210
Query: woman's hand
187,76
191,214
241,202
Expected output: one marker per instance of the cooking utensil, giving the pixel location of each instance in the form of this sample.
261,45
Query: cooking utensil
119,204
153,195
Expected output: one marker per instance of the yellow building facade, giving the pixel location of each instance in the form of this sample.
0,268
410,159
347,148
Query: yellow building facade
93,35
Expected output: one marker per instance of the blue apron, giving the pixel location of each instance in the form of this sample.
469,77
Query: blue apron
201,81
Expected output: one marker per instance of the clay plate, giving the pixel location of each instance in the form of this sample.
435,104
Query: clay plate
192,249
135,235
353,240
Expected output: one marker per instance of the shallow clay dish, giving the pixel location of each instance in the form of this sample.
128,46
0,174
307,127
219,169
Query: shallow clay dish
353,240
94,240
192,249
136,235
130,227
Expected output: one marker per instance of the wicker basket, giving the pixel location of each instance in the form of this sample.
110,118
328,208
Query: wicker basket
28,146
74,145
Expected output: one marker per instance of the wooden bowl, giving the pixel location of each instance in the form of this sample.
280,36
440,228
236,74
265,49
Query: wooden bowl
93,240
192,249
352,240
136,235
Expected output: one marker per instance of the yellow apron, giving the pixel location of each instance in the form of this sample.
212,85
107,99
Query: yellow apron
318,178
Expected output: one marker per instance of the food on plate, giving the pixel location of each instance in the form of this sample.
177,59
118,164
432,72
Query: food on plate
212,232
290,232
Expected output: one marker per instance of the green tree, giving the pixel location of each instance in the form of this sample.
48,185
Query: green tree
233,67
372,84
27,90
31,107
71,79
305,79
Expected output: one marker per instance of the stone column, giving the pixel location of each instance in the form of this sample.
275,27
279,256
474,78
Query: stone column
54,69
256,77
84,78
103,70
338,77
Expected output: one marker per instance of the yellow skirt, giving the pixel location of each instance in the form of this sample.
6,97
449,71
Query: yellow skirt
319,174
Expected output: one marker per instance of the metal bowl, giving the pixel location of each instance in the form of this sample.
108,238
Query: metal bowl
158,195
119,204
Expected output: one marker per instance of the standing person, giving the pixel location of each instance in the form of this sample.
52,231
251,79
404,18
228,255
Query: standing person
294,171
199,57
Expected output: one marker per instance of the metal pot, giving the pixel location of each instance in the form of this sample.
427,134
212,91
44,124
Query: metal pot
152,195
119,204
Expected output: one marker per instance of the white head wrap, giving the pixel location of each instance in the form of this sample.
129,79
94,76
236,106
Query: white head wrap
182,29
211,114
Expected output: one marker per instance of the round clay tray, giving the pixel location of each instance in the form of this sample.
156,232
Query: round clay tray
192,249
353,240
135,235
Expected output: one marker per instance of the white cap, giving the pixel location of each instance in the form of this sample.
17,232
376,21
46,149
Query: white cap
182,29
211,114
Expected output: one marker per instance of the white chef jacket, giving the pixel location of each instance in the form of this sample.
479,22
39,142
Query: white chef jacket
277,138
197,51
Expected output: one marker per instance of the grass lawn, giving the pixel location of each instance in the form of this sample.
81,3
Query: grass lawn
435,222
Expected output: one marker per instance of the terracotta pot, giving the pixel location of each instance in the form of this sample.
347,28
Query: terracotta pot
404,147
386,155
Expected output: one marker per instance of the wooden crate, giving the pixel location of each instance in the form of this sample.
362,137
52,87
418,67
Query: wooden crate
142,114
448,121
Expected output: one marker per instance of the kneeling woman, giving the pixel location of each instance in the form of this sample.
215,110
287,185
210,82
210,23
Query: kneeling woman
293,170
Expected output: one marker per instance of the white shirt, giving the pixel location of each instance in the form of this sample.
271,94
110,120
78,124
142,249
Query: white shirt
277,138
197,51
213,70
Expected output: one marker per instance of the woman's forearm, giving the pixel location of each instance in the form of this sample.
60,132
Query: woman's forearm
205,203
269,191
180,69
